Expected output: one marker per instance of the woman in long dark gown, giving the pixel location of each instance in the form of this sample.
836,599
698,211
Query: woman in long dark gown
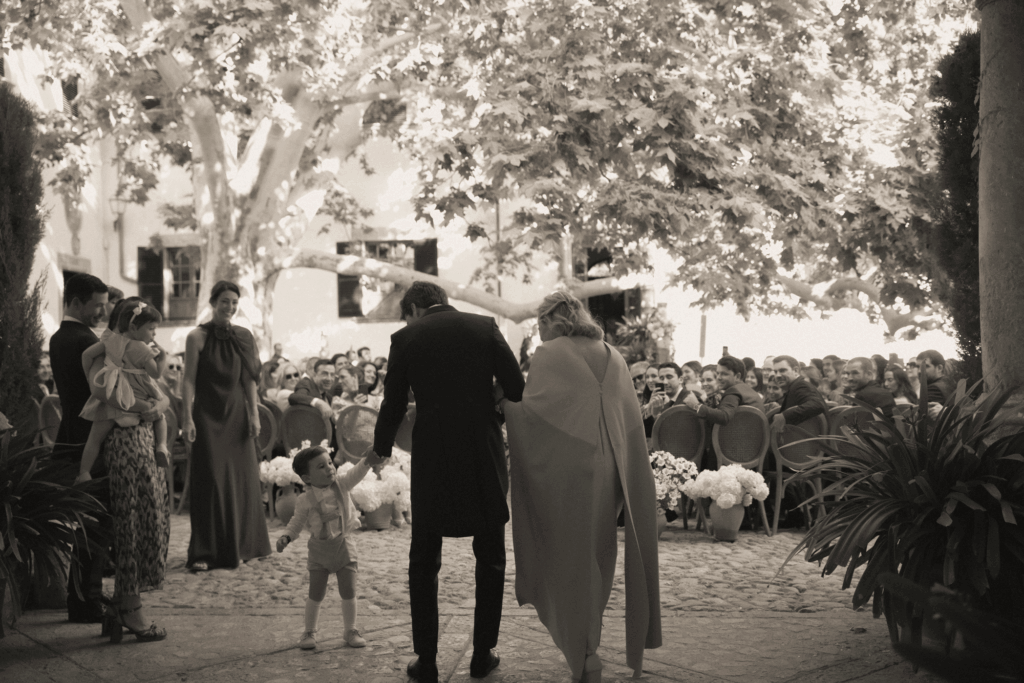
226,504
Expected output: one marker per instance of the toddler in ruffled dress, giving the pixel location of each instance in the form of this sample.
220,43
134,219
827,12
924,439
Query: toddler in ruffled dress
327,510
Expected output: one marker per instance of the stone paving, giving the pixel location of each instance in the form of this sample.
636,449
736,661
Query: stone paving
698,574
722,621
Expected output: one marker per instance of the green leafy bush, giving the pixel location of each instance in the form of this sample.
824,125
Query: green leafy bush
930,501
41,518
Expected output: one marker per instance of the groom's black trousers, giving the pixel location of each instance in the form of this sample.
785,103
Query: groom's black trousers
424,564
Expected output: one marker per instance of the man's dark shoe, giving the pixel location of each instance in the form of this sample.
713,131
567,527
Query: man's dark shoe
483,663
424,673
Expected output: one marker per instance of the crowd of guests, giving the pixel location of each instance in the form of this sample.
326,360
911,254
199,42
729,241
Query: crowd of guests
327,384
790,391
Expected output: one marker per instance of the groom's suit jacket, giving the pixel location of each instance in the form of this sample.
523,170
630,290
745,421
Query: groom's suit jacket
459,470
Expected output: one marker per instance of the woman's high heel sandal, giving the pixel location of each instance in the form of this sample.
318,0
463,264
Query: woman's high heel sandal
148,635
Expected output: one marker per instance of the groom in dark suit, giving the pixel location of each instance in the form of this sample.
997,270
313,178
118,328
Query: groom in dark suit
459,472
85,299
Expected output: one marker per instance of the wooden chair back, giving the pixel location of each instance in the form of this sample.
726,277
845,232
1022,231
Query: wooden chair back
354,429
268,431
792,450
303,423
679,431
744,441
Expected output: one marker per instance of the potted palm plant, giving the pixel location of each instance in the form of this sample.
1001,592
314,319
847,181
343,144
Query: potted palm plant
40,519
931,501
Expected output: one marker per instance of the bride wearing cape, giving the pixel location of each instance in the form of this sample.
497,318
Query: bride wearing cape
578,457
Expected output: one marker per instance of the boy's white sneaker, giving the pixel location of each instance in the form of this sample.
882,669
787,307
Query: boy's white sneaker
308,641
353,638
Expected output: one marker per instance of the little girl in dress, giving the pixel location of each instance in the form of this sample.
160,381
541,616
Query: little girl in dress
129,374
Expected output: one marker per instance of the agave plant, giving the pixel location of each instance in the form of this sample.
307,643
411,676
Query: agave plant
930,501
40,518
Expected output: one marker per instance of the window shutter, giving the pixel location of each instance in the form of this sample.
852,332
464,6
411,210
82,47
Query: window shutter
151,278
350,294
425,259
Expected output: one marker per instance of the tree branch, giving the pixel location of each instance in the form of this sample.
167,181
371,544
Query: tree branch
516,312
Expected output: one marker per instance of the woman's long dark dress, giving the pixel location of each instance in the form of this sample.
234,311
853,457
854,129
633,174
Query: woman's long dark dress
226,506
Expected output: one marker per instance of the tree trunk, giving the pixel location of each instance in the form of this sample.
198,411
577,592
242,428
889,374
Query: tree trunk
1001,194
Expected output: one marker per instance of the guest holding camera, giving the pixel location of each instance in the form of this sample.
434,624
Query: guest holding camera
668,391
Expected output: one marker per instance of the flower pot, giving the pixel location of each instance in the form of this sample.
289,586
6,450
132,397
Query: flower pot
284,506
726,521
378,519
662,522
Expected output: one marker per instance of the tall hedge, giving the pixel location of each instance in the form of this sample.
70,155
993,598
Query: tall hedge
954,238
21,229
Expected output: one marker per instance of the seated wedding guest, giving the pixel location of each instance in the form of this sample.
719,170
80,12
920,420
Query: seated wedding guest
880,365
859,377
45,386
820,364
749,363
800,401
735,393
815,379
768,370
338,360
691,377
756,381
834,377
940,386
269,378
374,386
381,362
772,398
287,379
309,366
709,385
650,386
898,384
314,392
913,374
345,391
636,371
364,355
669,392
170,381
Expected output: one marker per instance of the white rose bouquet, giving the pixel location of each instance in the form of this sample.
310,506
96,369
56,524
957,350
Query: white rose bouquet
670,476
390,485
731,485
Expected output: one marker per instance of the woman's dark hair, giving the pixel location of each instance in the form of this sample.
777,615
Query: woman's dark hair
362,377
903,386
137,315
749,363
759,374
423,295
300,464
115,313
335,357
380,361
880,363
221,287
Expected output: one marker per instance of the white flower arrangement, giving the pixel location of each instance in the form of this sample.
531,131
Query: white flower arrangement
391,485
279,470
671,474
728,486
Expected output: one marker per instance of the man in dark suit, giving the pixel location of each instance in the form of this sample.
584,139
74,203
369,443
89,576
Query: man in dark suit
859,379
731,374
85,298
933,371
459,471
800,401
315,391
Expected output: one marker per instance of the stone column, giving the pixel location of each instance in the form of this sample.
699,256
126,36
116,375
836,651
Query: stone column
1001,192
